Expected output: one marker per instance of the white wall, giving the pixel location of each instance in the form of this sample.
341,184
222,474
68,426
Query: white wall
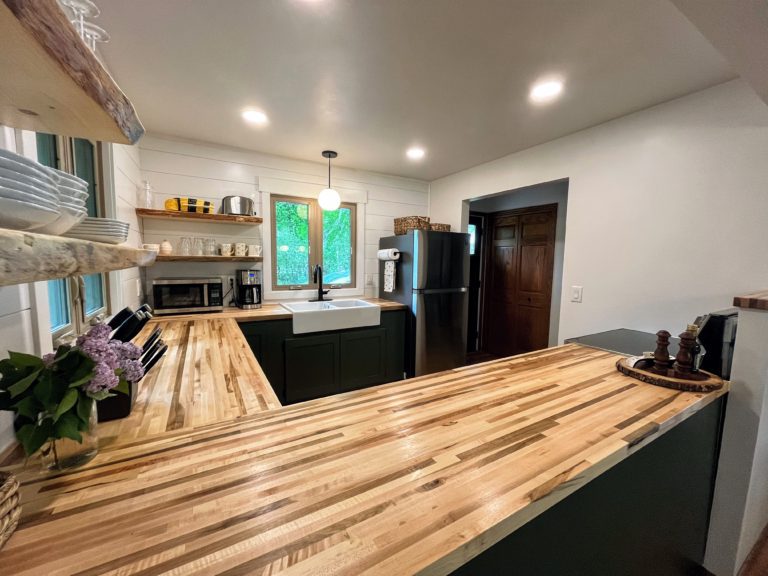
547,193
667,209
126,180
207,171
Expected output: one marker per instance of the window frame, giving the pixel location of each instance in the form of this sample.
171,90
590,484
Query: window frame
315,242
79,319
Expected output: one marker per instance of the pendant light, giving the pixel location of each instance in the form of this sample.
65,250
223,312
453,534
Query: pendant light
329,199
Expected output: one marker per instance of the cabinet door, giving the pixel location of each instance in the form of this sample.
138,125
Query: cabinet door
363,358
311,367
266,339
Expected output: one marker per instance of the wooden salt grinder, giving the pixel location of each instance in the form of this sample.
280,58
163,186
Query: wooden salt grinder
661,354
684,358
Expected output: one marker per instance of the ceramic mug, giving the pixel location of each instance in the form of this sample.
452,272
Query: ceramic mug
226,249
240,249
254,250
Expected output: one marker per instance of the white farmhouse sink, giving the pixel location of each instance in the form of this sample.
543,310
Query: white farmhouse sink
332,315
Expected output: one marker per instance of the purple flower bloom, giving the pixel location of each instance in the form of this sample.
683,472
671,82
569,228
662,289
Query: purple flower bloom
48,359
132,370
104,379
126,350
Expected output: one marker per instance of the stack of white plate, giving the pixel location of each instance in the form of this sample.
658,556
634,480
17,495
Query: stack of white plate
29,196
100,230
73,192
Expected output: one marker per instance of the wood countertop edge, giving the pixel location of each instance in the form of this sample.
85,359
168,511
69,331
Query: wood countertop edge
564,485
753,301
269,311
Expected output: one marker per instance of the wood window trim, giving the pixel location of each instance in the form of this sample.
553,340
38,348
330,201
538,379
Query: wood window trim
315,240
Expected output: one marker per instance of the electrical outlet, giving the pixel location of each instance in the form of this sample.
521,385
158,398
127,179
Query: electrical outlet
576,293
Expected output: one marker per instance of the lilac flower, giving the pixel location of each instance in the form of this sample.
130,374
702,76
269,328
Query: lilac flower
104,379
126,350
132,370
48,359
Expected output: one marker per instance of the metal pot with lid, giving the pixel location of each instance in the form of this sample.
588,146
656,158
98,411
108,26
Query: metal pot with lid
237,205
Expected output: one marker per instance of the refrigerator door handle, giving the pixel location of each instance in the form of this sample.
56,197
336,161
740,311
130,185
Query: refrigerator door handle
442,290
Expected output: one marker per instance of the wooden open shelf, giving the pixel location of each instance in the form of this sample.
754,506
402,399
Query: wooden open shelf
28,257
173,215
52,82
174,258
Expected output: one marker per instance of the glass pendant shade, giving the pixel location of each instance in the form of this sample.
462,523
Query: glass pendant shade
329,199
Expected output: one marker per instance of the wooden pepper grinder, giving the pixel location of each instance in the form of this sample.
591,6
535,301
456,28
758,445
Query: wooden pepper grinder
684,358
661,354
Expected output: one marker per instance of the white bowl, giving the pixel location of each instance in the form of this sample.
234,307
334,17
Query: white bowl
20,215
68,218
21,165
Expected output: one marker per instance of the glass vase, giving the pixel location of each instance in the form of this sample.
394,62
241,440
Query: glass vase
63,453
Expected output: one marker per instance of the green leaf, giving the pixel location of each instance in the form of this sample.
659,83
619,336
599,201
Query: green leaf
32,436
27,407
61,352
67,427
69,400
84,407
21,386
80,381
22,360
44,391
122,387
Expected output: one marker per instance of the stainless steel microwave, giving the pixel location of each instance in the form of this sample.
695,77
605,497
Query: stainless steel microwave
184,295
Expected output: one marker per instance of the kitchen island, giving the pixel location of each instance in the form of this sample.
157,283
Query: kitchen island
418,476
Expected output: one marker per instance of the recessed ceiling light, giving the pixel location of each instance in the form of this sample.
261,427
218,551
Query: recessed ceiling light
415,153
255,117
546,91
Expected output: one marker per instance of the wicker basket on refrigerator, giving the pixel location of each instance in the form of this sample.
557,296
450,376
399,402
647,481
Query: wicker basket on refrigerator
10,506
403,225
440,227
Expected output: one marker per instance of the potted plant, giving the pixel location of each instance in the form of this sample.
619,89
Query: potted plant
54,397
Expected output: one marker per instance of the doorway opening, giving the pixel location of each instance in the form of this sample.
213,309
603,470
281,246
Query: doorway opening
517,241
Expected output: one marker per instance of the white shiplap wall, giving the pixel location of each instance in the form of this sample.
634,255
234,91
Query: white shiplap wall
126,175
207,171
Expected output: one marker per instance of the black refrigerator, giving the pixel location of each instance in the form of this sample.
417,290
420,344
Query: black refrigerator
431,279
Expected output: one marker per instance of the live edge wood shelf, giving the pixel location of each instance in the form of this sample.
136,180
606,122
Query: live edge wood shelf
52,82
173,215
209,258
28,257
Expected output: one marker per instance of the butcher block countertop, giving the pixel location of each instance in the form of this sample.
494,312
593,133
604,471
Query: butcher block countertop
208,374
411,477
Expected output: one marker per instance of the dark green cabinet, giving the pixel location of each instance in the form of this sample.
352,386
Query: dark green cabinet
311,367
363,358
305,366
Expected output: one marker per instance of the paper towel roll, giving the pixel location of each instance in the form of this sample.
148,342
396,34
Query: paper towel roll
388,254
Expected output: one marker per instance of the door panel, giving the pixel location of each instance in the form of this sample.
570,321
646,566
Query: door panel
441,331
311,367
363,358
519,268
441,260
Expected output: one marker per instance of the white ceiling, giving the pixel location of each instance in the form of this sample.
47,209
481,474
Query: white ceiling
368,78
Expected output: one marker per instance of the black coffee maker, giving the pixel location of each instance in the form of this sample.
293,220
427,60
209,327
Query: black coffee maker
248,295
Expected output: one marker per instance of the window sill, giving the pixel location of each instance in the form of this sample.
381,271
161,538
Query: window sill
274,296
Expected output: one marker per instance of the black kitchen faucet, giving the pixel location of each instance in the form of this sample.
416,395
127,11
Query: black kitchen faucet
317,274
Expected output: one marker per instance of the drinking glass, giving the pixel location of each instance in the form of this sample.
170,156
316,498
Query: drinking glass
210,247
197,247
185,246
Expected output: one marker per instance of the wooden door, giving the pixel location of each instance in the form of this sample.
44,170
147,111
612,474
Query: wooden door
520,257
311,366
363,358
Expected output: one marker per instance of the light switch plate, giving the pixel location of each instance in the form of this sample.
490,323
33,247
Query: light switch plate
576,293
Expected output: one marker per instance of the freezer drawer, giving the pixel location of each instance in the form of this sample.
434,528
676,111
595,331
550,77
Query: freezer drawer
440,330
